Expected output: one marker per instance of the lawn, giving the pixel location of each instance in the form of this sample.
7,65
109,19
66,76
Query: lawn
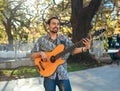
27,72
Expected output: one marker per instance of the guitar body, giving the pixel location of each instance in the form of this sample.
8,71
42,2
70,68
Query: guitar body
47,68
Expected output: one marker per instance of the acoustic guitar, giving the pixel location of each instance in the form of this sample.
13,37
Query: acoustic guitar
47,68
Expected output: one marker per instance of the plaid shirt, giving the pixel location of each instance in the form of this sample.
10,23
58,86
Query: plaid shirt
46,44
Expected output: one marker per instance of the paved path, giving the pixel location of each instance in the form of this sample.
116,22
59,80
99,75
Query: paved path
106,78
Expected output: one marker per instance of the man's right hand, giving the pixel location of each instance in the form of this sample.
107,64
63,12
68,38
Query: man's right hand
43,56
39,54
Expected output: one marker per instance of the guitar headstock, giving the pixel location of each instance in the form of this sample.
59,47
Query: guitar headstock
91,35
99,32
96,33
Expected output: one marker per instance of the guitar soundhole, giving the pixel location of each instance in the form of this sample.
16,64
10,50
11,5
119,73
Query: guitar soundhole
42,60
52,59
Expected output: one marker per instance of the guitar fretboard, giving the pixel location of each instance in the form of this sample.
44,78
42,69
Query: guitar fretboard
77,44
70,49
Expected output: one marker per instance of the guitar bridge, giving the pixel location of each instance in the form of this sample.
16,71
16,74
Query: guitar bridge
41,65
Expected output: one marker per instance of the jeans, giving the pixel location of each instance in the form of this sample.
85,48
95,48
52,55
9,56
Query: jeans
50,85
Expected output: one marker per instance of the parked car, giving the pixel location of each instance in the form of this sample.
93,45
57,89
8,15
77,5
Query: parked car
114,41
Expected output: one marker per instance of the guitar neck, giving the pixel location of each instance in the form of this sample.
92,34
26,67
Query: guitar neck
70,49
78,44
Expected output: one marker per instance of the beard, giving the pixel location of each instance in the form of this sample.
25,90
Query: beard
54,30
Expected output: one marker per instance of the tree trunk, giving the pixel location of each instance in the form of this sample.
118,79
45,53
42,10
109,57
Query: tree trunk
81,18
8,31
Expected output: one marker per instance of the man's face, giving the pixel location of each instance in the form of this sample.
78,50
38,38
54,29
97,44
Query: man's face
54,25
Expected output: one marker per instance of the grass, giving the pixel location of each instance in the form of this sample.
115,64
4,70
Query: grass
75,67
26,72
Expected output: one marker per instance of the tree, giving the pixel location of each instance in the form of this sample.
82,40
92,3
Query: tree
2,4
81,18
13,17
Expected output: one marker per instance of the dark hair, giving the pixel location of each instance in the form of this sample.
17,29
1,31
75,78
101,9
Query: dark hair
49,20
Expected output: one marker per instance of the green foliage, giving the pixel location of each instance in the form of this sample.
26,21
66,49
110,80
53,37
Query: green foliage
22,72
26,72
75,67
1,5
105,44
29,19
3,36
107,18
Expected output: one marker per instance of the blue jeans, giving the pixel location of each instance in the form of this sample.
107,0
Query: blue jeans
50,85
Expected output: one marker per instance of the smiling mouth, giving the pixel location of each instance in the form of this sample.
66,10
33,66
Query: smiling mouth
55,28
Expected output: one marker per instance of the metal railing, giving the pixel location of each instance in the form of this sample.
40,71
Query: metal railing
12,56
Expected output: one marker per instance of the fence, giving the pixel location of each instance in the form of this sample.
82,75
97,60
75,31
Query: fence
12,56
15,55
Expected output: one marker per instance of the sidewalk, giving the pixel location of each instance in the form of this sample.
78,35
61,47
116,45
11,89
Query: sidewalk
106,78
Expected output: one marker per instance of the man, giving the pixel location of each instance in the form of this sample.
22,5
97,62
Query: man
47,43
